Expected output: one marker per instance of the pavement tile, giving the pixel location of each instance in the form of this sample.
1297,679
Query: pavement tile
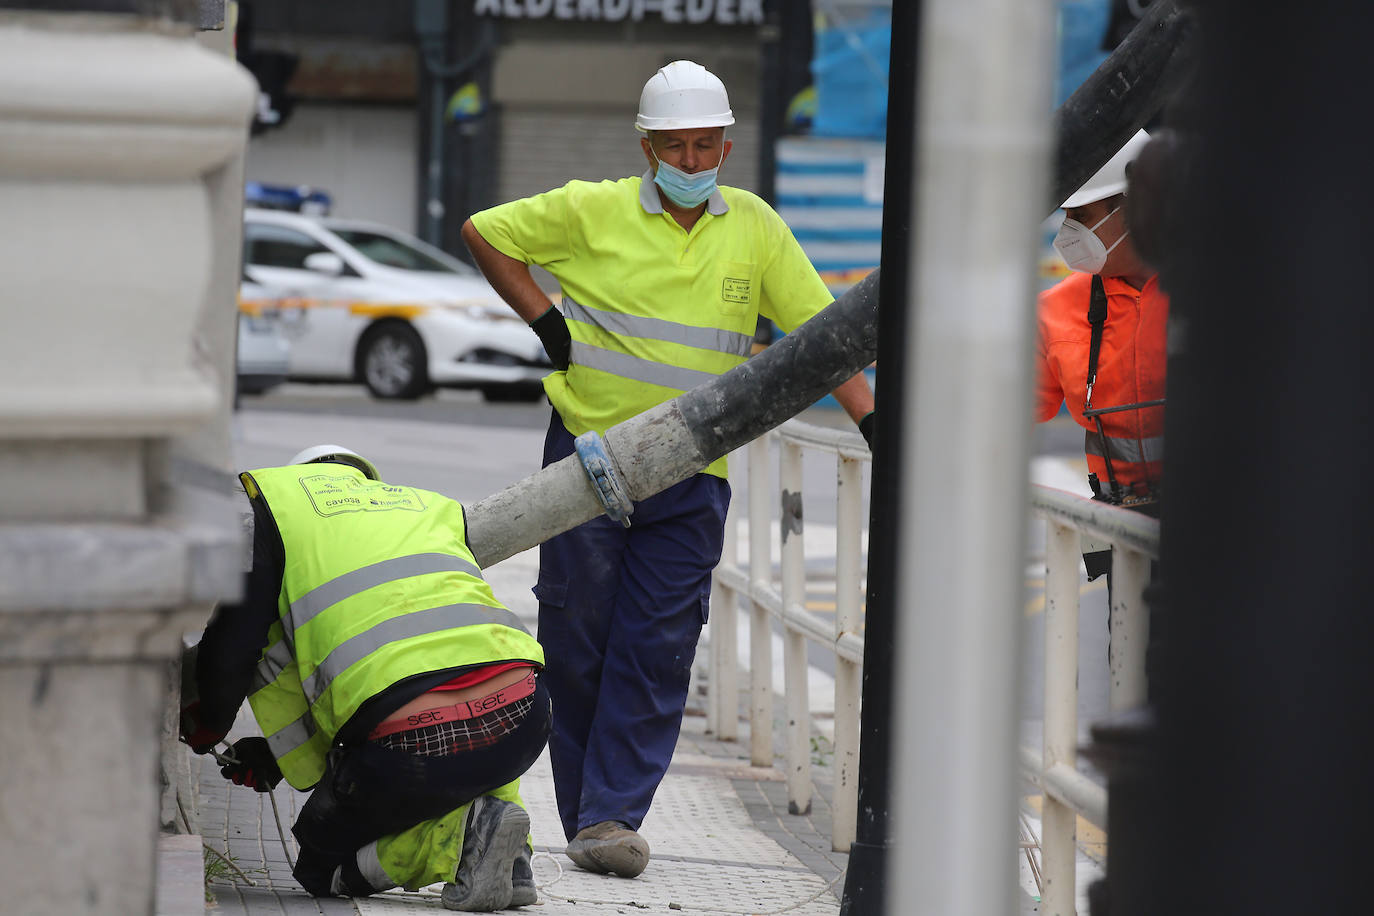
721,839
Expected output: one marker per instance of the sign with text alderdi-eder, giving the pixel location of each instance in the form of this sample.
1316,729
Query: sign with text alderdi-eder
723,12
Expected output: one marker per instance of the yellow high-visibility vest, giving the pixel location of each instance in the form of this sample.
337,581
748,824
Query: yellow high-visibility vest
378,586
654,310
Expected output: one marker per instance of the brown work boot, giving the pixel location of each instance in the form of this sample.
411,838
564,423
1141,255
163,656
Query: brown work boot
609,846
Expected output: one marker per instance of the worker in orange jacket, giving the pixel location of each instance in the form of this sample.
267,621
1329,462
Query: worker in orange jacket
1101,341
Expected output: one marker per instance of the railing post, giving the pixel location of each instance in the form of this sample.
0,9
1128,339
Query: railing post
1130,629
794,642
723,684
760,632
848,674
1059,822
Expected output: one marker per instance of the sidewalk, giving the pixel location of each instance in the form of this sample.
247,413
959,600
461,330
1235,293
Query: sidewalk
721,838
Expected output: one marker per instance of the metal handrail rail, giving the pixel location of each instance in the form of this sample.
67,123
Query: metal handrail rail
1122,527
1068,516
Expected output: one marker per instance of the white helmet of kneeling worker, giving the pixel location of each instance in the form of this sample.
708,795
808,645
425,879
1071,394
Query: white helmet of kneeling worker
681,95
1110,180
336,454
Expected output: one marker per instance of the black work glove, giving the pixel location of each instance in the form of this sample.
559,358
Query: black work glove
866,428
196,733
256,767
552,329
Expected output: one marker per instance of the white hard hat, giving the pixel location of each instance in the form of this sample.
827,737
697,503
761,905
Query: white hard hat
683,94
339,455
1111,178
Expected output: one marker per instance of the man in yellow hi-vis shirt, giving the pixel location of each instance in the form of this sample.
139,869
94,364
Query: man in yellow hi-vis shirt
664,278
385,677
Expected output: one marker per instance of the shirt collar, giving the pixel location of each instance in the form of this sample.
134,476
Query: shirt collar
649,200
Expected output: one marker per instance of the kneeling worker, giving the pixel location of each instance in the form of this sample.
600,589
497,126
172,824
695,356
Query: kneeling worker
384,674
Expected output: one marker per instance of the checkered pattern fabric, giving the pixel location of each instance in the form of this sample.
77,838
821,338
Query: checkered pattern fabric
463,735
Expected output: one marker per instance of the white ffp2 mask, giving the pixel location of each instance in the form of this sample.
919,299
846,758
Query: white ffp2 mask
1080,247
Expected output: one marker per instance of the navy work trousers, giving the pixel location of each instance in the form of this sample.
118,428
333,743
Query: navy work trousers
620,612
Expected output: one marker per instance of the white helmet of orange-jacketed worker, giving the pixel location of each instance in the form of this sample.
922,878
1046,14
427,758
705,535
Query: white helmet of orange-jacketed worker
1109,180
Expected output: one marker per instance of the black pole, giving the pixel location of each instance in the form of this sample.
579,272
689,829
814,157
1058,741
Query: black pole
863,884
770,102
472,169
1265,716
432,25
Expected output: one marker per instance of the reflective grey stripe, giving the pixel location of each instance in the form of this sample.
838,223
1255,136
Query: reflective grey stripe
395,629
640,370
1129,450
288,738
370,867
718,339
272,664
360,580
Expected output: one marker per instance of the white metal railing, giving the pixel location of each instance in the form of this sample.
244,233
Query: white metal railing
1067,792
786,601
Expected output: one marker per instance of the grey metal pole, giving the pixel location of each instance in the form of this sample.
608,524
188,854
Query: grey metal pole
983,148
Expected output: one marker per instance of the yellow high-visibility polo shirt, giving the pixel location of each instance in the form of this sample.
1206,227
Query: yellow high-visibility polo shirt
654,310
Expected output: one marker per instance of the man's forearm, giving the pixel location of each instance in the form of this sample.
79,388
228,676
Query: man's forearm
510,278
855,397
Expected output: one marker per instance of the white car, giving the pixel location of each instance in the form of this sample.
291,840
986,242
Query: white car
264,352
364,302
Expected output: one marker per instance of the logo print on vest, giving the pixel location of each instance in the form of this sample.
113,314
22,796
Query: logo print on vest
735,289
336,495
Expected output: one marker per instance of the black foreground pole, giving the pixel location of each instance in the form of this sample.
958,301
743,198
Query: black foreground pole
1265,799
863,883
1111,105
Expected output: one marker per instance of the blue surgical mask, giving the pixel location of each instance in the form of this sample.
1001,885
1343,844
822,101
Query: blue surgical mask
683,189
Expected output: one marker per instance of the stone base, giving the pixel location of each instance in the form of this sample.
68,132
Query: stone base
100,479
79,757
180,876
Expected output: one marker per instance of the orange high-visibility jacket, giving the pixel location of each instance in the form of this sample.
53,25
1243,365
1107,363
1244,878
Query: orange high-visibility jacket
1130,369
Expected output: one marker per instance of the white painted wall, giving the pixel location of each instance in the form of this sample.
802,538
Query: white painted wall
364,156
544,147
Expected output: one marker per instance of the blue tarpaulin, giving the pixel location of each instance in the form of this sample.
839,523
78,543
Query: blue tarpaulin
850,73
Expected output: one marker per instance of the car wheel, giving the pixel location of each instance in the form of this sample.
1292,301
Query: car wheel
391,362
505,394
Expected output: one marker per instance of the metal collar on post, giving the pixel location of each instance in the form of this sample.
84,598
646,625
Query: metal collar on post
606,483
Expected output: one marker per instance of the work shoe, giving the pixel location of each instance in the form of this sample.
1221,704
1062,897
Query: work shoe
522,890
495,836
609,846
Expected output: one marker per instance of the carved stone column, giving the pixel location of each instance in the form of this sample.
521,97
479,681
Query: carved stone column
121,145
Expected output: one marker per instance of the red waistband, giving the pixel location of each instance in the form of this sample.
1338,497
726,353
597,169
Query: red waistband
470,709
